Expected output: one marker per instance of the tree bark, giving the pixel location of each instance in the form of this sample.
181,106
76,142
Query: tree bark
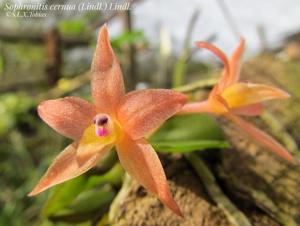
262,186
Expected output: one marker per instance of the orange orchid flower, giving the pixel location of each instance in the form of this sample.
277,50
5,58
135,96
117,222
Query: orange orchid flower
115,118
231,98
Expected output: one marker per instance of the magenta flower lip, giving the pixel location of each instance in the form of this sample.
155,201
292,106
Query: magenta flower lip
101,132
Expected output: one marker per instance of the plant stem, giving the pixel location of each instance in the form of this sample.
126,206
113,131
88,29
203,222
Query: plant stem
235,216
115,206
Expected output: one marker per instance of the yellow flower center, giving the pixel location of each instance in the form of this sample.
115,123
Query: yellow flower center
218,104
103,131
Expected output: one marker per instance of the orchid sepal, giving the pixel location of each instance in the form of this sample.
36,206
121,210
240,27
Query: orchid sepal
230,98
114,116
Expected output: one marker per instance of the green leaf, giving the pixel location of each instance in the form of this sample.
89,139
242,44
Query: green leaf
11,105
189,127
86,205
64,195
76,195
71,27
113,176
186,133
128,38
1,65
187,146
92,199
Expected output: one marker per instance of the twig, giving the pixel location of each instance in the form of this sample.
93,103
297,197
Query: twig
53,55
229,18
262,37
65,86
236,217
130,52
180,66
205,83
15,36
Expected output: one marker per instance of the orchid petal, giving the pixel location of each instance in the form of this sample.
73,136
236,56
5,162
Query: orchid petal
249,110
215,50
219,53
262,138
235,62
66,167
68,116
143,111
243,94
141,161
198,107
107,80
